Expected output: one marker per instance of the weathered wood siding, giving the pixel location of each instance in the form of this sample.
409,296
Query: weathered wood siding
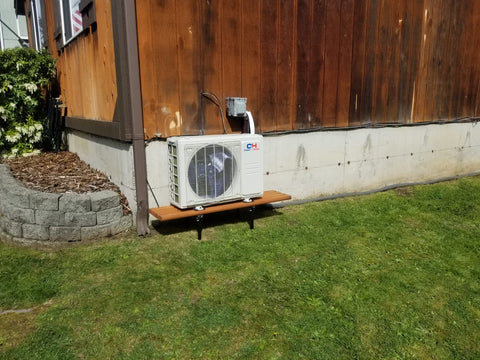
86,67
307,63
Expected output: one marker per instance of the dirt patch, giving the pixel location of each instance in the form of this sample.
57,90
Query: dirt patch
404,191
61,172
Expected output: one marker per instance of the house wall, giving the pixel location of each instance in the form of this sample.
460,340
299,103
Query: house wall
86,67
10,29
307,64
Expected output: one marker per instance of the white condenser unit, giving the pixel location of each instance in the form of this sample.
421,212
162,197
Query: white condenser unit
210,169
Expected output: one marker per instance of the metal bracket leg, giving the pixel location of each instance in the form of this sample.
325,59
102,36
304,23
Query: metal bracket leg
251,216
199,222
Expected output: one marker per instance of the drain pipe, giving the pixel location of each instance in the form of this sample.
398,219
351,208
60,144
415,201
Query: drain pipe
136,116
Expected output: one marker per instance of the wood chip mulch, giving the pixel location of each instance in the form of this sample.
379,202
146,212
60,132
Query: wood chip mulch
61,172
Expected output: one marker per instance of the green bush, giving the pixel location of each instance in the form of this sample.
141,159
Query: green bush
25,76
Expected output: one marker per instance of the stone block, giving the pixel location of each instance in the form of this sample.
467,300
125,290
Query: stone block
65,233
44,201
12,228
109,215
36,232
5,237
17,195
98,231
104,200
81,219
19,214
121,225
74,203
53,218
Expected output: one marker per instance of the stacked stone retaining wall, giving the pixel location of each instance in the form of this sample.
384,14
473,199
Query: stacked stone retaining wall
29,216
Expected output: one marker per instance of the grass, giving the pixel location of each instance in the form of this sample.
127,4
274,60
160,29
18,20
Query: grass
393,275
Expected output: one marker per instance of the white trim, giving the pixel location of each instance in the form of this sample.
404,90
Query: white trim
63,23
19,32
38,23
2,44
35,40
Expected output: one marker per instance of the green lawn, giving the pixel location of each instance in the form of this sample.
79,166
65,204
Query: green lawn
393,275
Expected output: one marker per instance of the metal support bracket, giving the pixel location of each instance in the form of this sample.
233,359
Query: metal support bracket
199,222
251,216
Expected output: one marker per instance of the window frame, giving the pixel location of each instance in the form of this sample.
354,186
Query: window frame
68,32
65,32
38,25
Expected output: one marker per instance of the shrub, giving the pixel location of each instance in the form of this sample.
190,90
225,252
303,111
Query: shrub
25,76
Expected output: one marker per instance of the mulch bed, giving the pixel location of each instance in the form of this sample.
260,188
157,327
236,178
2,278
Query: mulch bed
61,172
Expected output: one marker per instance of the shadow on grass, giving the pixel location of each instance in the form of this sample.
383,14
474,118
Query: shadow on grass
214,220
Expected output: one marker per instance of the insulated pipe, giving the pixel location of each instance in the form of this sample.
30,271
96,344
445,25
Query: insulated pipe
251,124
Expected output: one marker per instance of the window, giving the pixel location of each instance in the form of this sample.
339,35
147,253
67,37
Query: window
38,25
22,30
72,17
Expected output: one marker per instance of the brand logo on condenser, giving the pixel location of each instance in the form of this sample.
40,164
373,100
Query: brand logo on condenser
252,146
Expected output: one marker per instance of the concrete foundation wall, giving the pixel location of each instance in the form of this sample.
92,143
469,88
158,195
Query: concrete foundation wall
316,164
113,158
326,163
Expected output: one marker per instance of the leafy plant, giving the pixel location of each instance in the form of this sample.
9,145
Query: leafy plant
25,76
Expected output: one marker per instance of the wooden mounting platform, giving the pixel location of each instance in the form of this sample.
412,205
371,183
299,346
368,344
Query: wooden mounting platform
166,213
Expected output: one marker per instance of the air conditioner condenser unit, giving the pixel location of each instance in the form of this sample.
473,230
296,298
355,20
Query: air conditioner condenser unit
205,170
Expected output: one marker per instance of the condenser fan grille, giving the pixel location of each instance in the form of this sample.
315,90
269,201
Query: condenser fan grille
211,171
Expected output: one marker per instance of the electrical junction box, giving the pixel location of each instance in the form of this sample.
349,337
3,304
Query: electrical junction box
236,106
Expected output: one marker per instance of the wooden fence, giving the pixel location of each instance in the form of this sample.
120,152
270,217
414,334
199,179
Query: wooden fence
308,63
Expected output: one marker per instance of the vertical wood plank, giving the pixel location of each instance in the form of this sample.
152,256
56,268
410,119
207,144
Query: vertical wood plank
268,63
92,93
303,52
285,85
412,24
456,35
404,29
470,85
211,63
316,68
188,40
367,109
358,62
394,63
231,37
476,62
442,58
251,55
382,71
345,62
147,62
436,58
103,63
332,56
422,75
